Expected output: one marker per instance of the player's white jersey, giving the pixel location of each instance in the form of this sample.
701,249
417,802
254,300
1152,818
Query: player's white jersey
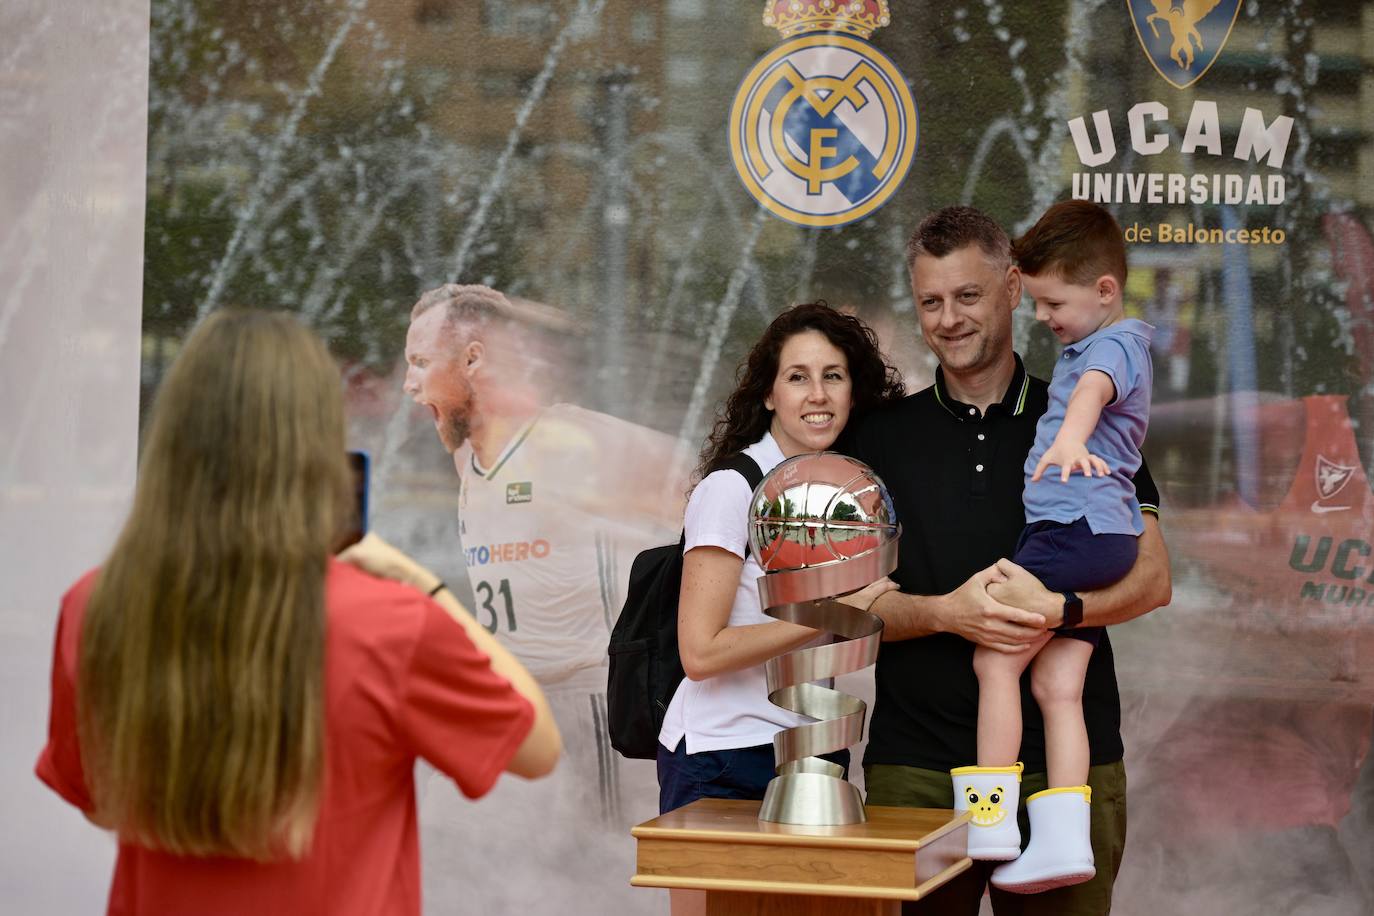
550,529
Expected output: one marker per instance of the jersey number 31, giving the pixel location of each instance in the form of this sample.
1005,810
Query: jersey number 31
486,594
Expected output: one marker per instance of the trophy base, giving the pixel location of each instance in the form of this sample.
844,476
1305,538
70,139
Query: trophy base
812,800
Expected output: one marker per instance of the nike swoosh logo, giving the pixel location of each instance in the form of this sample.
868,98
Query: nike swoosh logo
1322,510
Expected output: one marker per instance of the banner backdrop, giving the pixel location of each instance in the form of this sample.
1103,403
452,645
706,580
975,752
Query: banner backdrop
337,158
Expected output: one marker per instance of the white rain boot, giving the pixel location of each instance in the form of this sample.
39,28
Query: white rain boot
991,793
1060,852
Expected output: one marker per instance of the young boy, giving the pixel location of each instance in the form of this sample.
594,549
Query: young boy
1080,534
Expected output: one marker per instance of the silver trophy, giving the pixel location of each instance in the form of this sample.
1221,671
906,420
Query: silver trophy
820,525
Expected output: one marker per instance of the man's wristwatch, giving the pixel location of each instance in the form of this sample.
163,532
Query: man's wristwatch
1073,611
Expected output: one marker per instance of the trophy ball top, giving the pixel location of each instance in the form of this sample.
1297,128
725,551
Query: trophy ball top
819,508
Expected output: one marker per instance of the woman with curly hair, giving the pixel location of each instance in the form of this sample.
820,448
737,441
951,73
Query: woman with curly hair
812,369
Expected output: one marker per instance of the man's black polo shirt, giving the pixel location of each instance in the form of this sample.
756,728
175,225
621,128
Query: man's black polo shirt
956,479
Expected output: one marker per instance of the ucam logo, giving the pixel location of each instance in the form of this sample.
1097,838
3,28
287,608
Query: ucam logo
1182,38
823,128
1347,565
1150,134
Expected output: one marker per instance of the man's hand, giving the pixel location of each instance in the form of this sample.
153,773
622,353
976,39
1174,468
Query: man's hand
972,611
1020,588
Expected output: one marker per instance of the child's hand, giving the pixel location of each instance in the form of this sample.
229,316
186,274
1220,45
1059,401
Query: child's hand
1069,457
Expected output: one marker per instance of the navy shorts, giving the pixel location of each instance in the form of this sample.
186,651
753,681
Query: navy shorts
735,773
1070,558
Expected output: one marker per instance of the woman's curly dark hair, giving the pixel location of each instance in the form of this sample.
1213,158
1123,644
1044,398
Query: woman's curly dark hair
743,419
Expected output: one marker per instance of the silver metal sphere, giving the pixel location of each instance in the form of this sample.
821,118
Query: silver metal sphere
819,508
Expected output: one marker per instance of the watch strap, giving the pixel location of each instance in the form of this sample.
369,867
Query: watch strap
1073,611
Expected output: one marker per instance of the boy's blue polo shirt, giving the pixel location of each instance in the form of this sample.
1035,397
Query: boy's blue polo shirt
1122,351
954,474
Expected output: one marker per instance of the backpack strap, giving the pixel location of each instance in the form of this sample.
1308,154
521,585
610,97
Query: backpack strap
746,467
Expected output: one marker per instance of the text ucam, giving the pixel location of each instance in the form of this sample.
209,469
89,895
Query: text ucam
1256,140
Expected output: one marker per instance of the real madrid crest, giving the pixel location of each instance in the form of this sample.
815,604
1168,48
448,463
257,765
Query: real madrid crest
823,128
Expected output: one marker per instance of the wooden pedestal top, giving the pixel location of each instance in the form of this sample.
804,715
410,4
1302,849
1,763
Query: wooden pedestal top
720,819
718,844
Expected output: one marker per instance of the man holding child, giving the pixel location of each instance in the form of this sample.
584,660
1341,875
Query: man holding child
953,458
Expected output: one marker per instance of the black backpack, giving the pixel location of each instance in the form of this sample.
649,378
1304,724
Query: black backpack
645,665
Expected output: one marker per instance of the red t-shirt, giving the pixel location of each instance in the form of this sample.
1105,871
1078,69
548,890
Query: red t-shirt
402,680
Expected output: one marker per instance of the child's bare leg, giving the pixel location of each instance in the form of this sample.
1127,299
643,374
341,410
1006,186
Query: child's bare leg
999,703
1057,684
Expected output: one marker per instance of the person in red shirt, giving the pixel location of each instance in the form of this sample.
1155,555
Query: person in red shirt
242,708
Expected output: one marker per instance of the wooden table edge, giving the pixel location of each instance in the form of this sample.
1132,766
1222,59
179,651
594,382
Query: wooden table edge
800,887
888,844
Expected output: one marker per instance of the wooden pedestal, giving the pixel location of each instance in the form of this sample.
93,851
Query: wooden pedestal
748,866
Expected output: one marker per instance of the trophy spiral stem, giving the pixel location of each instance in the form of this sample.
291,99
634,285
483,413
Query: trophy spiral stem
809,790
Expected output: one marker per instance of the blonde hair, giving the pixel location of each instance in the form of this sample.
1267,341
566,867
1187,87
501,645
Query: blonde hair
201,679
465,304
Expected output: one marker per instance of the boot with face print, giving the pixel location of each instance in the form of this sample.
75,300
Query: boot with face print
991,794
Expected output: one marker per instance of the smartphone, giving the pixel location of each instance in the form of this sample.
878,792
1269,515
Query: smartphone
361,466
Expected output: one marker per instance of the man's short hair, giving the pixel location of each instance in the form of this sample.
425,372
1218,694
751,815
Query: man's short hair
946,231
1076,241
464,304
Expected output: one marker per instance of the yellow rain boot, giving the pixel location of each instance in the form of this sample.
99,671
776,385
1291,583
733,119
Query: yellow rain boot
1060,851
991,793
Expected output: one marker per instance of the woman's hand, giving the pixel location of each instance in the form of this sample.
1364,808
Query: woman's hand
864,597
374,555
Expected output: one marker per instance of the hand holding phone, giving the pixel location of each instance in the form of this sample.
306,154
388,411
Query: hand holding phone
361,466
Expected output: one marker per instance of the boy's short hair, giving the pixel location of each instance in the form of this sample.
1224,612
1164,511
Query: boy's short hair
1076,240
